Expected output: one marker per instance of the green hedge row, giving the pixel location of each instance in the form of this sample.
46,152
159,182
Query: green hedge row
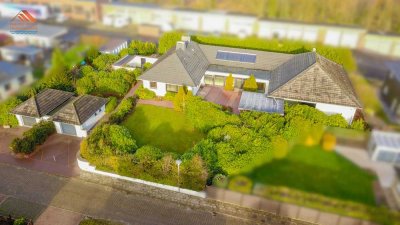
37,135
126,107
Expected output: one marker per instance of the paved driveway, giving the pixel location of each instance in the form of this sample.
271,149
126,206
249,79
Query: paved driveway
56,156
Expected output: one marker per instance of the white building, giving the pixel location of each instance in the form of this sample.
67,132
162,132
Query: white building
305,78
131,62
26,54
12,78
114,46
385,147
74,116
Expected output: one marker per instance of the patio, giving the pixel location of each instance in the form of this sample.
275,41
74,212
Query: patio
222,97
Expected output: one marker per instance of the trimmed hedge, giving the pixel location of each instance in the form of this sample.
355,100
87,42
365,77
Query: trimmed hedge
144,93
112,104
37,135
126,107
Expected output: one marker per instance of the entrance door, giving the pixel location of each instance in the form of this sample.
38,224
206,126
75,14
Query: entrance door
239,83
68,129
219,81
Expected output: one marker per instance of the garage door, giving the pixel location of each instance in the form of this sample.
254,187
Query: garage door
68,129
28,121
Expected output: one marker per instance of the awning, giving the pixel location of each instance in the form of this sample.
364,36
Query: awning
259,102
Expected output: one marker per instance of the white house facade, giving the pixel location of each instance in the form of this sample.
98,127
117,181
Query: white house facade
305,78
74,116
13,77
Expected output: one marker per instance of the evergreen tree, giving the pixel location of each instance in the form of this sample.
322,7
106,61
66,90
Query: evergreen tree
250,84
229,82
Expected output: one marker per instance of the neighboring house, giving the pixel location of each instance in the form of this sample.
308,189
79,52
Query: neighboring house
47,36
130,62
71,115
390,92
25,54
306,78
12,78
384,148
114,46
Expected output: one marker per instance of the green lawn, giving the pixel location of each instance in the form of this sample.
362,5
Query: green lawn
316,171
162,127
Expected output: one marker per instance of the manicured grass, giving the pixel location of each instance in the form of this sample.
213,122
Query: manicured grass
316,171
164,128
89,221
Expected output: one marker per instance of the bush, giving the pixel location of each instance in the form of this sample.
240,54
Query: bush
37,135
144,93
336,120
85,85
125,107
229,82
193,174
280,147
180,98
167,41
104,61
250,84
358,125
328,142
20,221
111,104
6,118
241,184
169,96
220,181
147,66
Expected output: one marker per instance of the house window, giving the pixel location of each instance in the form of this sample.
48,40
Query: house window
153,85
219,81
22,80
172,88
209,80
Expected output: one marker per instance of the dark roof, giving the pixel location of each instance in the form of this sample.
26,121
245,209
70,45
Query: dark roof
79,109
10,71
289,75
394,68
43,103
112,44
322,82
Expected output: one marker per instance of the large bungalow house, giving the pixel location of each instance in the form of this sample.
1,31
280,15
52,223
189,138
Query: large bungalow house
306,78
390,92
71,115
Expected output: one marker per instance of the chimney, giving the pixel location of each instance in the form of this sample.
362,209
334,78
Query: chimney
181,45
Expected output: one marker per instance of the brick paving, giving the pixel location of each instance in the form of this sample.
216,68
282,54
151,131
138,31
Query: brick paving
221,97
57,155
166,104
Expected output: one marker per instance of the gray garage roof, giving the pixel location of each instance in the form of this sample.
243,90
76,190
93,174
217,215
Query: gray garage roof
43,103
259,102
394,68
10,71
78,110
386,139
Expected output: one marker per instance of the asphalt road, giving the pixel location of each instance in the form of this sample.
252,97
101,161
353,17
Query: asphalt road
101,201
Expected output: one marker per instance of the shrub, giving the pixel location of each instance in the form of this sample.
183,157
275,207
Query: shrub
193,174
336,120
250,84
280,147
328,142
220,181
20,221
144,93
229,82
169,96
180,98
167,41
6,118
85,85
111,104
358,125
104,61
35,136
147,66
125,107
92,53
241,184
109,139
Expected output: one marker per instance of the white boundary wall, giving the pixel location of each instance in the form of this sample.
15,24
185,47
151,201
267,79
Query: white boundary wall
85,166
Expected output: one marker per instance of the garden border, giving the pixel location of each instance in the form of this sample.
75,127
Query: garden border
85,166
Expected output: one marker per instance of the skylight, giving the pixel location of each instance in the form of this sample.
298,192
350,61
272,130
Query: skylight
236,57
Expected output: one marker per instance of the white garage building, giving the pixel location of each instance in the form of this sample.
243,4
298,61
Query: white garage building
71,115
